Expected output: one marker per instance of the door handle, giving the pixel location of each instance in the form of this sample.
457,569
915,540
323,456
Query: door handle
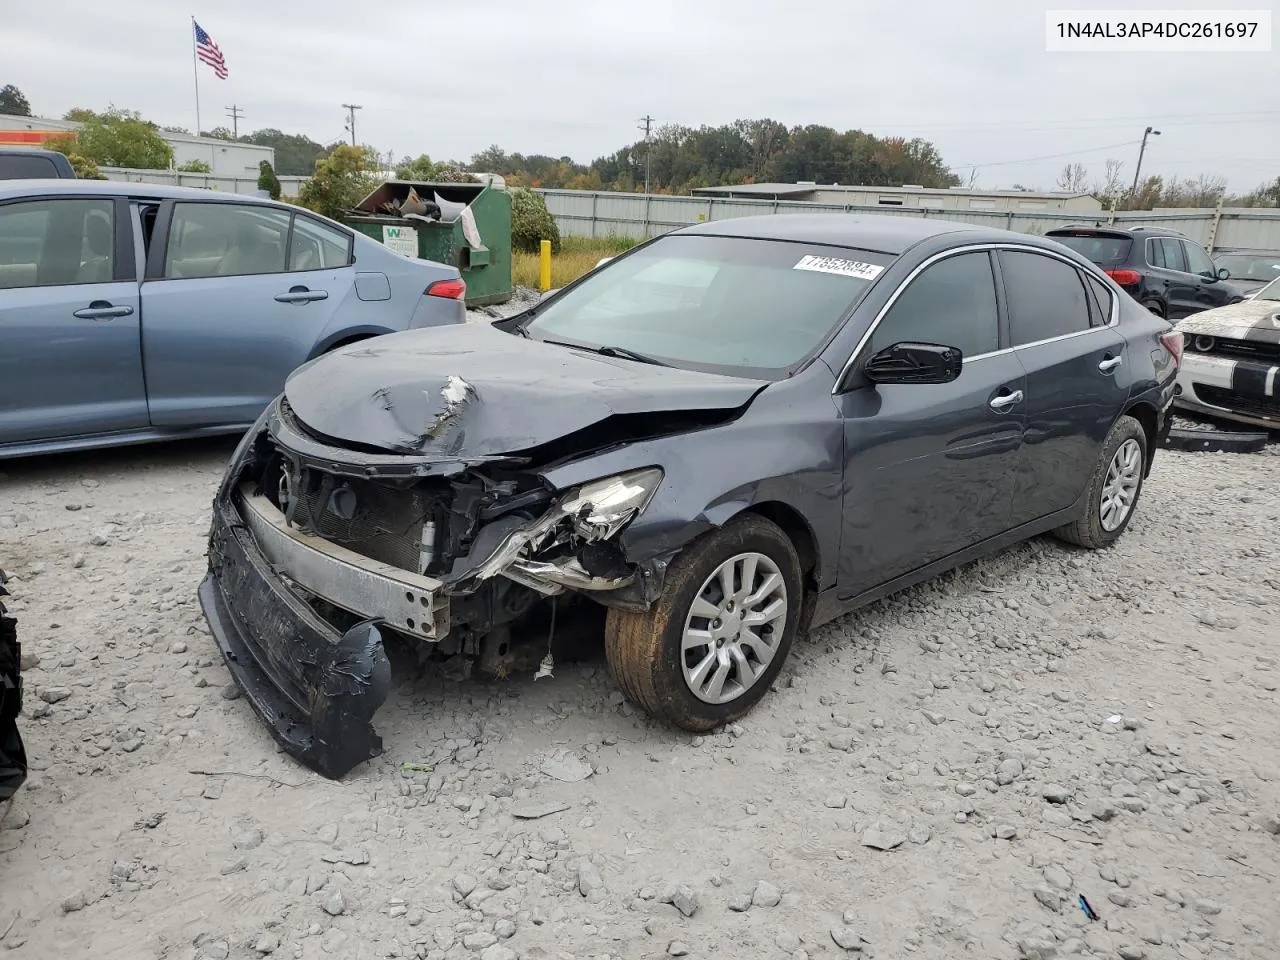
102,310
1005,401
301,295
1109,365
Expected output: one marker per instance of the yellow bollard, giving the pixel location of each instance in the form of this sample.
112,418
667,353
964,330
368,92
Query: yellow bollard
544,266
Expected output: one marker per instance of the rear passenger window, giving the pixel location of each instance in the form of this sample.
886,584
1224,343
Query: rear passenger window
951,303
46,243
1167,253
1046,297
316,246
1100,297
225,240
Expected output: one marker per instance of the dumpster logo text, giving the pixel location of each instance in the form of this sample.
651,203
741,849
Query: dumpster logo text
403,240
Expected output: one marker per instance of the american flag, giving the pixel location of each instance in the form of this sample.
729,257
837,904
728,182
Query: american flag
208,51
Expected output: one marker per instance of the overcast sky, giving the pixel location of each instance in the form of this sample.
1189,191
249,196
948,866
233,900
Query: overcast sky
573,77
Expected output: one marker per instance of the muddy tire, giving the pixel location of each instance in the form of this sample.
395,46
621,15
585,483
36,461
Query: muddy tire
1114,488
711,646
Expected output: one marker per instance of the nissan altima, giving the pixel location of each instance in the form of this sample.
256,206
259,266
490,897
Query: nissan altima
714,441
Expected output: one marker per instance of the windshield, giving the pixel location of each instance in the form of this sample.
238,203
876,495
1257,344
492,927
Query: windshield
1242,267
1270,292
1096,248
731,305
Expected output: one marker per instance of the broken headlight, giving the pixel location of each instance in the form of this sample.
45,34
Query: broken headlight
603,507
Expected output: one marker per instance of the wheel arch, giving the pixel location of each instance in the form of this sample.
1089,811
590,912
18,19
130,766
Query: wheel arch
1145,413
793,523
345,338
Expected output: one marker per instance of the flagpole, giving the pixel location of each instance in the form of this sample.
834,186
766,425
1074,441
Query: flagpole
195,72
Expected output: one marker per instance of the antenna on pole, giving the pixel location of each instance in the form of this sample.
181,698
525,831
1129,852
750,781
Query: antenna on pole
351,109
235,113
646,124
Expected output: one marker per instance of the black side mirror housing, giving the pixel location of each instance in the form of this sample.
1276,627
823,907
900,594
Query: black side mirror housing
915,363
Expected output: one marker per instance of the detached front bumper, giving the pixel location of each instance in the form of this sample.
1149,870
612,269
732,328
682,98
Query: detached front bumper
315,688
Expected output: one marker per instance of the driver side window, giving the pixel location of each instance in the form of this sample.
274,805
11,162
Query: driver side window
952,303
1198,261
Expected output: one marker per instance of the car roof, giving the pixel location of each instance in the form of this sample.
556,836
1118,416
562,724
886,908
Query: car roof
881,233
117,188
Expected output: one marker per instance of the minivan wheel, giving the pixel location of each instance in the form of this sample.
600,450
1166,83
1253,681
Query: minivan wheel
1114,488
707,651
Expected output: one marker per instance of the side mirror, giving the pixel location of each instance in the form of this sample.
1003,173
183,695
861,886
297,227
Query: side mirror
915,363
1224,273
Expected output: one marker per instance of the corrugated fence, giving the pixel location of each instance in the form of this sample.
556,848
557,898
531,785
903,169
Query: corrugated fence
598,214
206,181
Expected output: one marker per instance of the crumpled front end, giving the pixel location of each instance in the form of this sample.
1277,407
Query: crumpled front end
13,755
318,551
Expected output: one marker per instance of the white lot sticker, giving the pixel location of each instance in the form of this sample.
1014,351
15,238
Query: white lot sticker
843,268
403,240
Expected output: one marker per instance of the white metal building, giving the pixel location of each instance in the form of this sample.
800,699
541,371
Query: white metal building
225,158
955,198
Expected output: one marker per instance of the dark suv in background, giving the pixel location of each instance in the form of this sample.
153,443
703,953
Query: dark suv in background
1168,273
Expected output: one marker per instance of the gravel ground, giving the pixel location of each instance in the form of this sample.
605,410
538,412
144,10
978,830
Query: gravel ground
941,775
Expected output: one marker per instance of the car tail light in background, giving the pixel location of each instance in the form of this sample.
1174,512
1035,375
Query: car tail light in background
1126,278
1172,342
449,289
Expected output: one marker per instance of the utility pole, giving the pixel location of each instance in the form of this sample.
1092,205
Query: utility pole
235,113
1133,191
351,109
647,122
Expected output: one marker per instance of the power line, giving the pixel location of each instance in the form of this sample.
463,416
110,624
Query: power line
1051,156
1086,123
646,123
235,113
351,109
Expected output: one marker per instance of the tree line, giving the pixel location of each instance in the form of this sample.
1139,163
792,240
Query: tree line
674,160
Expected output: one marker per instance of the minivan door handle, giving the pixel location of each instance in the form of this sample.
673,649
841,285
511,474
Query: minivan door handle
1005,400
1110,364
102,310
301,295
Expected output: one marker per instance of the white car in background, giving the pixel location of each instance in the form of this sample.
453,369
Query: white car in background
1231,361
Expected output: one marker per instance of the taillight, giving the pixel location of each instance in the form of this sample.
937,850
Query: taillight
449,289
1172,342
1126,278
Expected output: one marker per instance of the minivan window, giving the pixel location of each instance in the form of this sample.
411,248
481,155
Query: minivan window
1046,297
26,168
952,303
731,305
1096,248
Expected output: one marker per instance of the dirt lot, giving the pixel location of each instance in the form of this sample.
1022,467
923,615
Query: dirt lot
1036,727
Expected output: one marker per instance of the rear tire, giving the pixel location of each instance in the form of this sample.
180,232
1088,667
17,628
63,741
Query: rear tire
659,658
1155,307
1114,488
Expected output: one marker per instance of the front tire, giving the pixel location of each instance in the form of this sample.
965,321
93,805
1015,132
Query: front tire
707,651
1114,488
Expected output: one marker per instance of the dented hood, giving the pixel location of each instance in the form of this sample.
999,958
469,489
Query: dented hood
470,391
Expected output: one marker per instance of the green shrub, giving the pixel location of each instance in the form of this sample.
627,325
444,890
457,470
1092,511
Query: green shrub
267,180
531,221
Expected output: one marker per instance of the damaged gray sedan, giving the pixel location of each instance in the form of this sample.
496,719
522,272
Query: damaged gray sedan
717,440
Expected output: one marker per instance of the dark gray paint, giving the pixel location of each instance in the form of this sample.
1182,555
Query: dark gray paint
880,485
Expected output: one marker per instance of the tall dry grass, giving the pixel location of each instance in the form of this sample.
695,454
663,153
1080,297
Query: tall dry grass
578,255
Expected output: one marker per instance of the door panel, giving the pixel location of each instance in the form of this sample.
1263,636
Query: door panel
70,361
1076,378
929,467
226,322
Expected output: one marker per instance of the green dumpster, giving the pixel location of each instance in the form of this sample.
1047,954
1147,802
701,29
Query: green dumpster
467,225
